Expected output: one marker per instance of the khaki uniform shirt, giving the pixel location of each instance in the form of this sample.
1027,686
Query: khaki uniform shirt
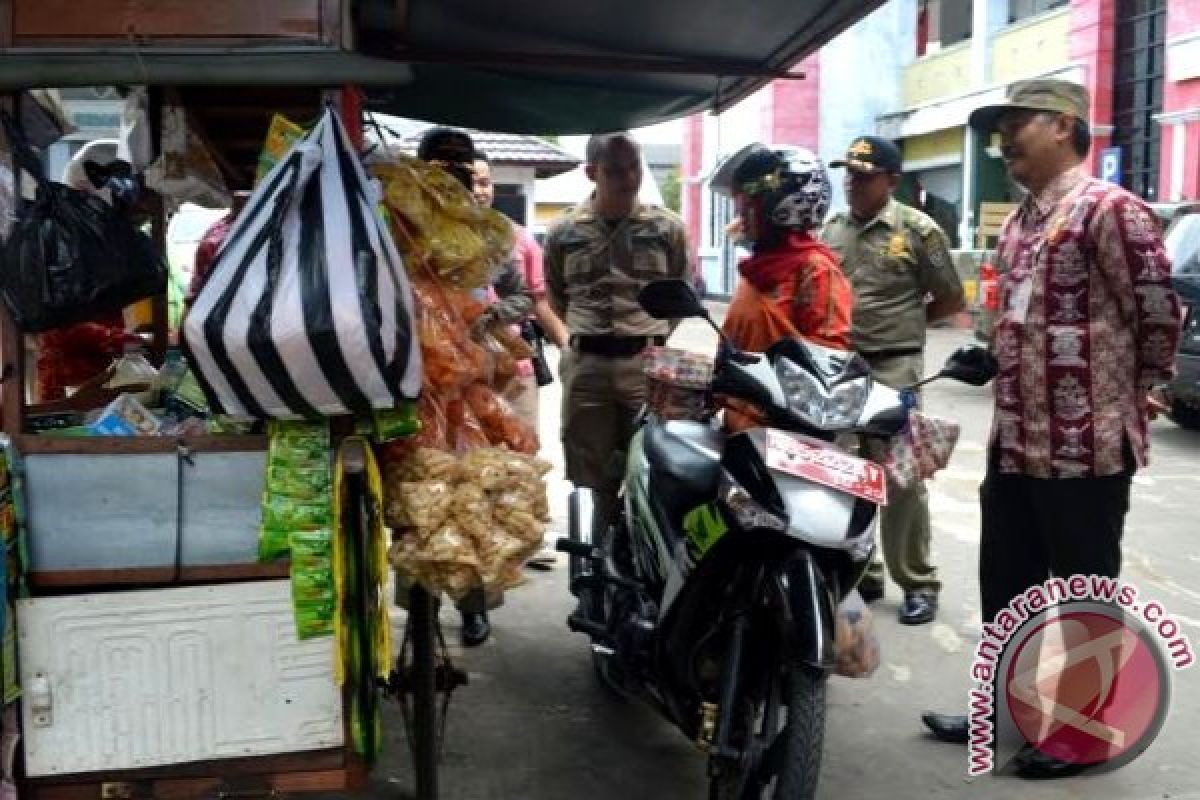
893,262
595,268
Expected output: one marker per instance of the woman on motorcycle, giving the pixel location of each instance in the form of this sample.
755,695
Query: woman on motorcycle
791,283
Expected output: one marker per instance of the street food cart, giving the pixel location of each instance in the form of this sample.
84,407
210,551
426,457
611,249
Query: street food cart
157,653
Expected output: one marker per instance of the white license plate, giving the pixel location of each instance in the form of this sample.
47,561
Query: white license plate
821,462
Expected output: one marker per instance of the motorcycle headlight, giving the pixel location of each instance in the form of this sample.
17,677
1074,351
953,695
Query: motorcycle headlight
746,511
807,398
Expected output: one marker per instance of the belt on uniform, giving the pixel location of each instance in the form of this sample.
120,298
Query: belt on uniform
615,346
895,352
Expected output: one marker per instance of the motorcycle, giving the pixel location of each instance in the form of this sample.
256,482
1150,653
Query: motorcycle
712,596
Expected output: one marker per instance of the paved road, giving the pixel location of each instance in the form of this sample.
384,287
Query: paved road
533,725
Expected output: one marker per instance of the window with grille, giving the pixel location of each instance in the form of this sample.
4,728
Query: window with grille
1138,92
1024,9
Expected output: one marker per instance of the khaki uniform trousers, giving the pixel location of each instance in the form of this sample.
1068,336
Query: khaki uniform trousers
602,396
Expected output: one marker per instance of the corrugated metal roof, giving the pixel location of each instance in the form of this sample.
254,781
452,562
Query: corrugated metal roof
507,149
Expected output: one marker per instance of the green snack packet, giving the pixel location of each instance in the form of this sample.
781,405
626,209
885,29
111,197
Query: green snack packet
311,484
287,514
394,423
317,542
314,620
272,544
311,586
299,434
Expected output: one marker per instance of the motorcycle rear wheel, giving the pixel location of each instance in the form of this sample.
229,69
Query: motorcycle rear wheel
608,672
785,762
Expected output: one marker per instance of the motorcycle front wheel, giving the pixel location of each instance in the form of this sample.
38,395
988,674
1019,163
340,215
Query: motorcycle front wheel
781,731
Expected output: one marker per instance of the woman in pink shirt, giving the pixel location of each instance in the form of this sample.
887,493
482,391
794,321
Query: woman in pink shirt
523,393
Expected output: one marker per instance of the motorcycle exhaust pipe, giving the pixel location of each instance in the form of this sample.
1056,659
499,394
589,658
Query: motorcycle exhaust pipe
581,516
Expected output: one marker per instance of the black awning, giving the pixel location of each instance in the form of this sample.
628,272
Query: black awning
519,66
577,66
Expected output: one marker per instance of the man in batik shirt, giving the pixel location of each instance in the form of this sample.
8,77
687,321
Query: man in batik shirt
1088,326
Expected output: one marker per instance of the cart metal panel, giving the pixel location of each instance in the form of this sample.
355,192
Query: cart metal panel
128,680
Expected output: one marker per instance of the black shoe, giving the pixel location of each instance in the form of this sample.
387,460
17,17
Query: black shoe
1034,765
475,628
918,608
950,728
871,592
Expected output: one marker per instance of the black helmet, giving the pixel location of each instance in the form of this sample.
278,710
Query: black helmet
784,187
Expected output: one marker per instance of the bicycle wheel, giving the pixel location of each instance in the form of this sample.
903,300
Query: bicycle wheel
422,608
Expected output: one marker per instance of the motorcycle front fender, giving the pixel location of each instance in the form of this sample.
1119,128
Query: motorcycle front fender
803,601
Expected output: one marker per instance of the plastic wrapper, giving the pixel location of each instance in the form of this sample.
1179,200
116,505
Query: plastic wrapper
314,601
297,500
286,514
445,561
310,483
132,372
486,468
281,135
467,430
499,554
495,519
855,640
439,225
420,504
394,423
424,464
450,359
501,367
922,449
125,416
678,384
501,425
186,170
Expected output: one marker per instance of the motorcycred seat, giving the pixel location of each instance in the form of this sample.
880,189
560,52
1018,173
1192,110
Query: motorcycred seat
685,463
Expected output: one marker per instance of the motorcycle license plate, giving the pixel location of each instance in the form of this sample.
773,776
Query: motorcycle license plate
821,462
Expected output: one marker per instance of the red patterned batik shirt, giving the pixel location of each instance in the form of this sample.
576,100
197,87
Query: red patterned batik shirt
1088,324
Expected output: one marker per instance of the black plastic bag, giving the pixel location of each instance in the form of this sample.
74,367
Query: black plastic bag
72,257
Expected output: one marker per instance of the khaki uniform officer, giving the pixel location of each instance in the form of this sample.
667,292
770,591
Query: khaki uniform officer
899,265
598,256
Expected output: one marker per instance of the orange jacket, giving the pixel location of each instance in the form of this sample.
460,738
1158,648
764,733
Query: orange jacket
795,289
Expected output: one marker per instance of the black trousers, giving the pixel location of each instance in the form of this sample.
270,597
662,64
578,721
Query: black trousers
1035,529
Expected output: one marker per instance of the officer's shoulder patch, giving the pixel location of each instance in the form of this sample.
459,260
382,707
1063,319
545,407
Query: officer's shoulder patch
918,221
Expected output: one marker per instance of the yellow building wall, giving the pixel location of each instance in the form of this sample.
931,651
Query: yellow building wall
1032,48
943,74
545,213
939,144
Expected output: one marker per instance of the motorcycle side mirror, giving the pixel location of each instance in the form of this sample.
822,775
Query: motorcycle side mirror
970,364
671,299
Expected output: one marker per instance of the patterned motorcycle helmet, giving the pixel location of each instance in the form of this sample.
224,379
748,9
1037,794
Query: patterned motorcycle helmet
775,187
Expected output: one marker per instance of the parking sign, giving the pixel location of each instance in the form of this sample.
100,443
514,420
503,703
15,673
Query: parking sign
1110,164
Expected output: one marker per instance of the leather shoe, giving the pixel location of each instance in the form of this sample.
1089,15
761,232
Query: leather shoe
1034,765
871,592
918,608
950,728
475,628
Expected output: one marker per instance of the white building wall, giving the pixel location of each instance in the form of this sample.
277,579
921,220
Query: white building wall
862,77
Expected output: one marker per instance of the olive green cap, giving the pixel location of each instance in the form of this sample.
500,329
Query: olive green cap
1043,94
